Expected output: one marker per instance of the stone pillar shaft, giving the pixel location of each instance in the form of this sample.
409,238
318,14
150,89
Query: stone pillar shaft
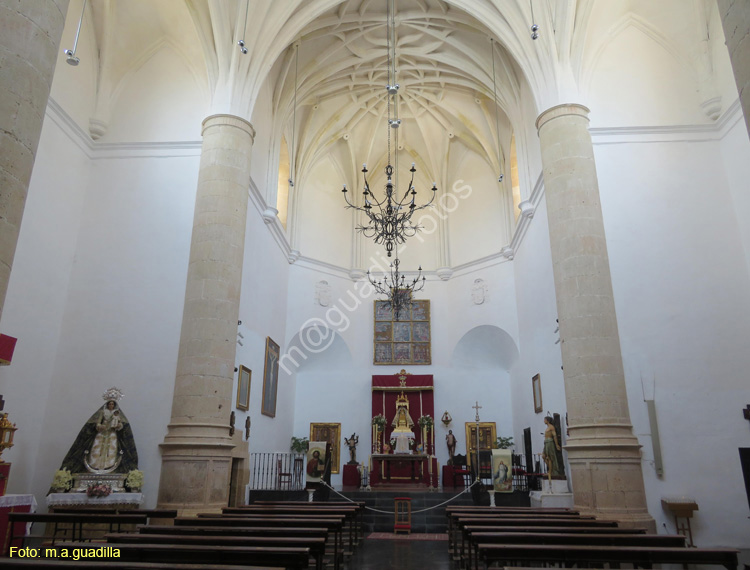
29,45
735,19
604,454
196,453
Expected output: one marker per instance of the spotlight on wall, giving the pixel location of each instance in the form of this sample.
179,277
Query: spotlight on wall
534,30
71,59
500,178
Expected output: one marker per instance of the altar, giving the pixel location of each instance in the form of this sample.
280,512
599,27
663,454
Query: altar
403,441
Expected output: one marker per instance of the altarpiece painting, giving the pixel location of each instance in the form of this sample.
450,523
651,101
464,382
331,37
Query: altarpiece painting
330,433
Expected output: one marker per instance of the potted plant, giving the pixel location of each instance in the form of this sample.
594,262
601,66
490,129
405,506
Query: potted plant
299,444
134,481
504,442
62,481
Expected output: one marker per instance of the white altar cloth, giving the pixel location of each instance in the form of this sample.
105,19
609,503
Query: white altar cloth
63,499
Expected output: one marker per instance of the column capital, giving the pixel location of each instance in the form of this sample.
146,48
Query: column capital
562,111
230,121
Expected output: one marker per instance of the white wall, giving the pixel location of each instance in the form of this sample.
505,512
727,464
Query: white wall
36,300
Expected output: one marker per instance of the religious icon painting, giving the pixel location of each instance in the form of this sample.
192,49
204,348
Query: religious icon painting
536,385
383,332
401,352
383,311
502,470
383,353
243,388
420,311
270,378
421,332
316,461
328,433
421,353
406,340
401,332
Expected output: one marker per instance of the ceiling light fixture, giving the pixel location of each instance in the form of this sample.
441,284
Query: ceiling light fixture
534,27
241,43
293,150
497,122
72,59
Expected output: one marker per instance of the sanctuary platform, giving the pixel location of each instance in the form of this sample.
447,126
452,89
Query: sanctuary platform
380,504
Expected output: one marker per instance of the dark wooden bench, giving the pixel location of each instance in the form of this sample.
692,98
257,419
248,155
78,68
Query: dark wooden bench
458,520
594,539
150,513
326,505
351,514
316,544
568,555
333,524
70,526
293,558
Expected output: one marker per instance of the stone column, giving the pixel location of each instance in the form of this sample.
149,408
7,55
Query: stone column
29,44
197,450
604,455
735,19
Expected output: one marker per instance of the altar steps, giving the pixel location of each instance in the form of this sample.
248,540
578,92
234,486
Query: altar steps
432,521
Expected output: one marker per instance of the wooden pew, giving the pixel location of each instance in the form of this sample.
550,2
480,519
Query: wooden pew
73,523
292,558
568,555
457,521
333,524
150,513
350,512
316,544
326,505
543,537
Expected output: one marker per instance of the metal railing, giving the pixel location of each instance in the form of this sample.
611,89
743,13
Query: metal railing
277,471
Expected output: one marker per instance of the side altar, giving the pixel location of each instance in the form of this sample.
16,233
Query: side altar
403,440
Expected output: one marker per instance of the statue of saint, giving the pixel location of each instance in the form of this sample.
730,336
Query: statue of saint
450,441
551,447
105,443
351,443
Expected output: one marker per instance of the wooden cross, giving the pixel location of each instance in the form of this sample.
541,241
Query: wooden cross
477,407
745,412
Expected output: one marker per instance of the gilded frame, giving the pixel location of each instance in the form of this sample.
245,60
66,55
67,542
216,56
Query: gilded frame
331,433
487,438
536,387
243,388
270,378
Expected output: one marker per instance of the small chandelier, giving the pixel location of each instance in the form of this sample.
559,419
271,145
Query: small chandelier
390,220
397,289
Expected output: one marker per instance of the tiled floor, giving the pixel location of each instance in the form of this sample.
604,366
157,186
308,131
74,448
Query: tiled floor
401,555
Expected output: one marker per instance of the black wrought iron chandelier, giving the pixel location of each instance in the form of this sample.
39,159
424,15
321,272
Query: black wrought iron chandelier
397,289
389,220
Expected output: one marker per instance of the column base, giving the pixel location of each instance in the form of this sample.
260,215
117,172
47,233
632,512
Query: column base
196,468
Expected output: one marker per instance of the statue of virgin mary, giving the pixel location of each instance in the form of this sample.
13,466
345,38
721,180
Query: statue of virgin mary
105,443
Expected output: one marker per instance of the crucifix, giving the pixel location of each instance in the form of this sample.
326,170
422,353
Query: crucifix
477,407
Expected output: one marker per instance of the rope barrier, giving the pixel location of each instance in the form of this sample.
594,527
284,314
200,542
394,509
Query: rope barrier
453,498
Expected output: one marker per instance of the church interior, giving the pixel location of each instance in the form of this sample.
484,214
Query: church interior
173,228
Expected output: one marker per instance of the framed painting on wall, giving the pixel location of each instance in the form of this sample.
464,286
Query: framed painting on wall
270,378
536,386
243,388
403,341
330,433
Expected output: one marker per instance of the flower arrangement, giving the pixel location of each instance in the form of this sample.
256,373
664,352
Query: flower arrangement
393,443
379,421
134,480
98,490
425,422
63,480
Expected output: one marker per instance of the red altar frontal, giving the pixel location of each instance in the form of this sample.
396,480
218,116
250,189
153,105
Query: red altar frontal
403,400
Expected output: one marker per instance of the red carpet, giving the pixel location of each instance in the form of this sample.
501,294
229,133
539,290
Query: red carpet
404,536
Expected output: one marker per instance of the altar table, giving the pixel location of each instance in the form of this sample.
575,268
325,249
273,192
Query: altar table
402,468
14,504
